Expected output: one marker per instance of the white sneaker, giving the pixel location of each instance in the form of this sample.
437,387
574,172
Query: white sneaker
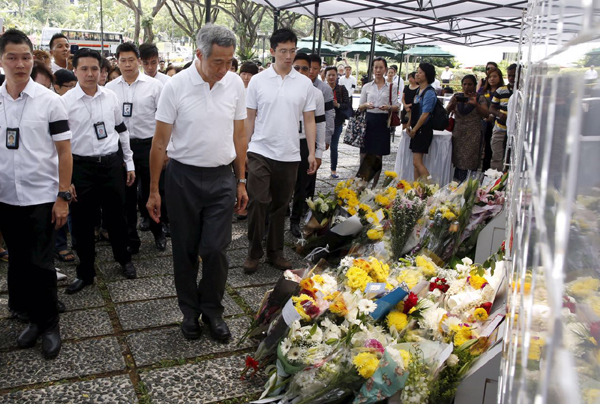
60,276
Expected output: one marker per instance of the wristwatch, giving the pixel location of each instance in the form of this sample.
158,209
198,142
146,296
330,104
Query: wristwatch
66,195
242,181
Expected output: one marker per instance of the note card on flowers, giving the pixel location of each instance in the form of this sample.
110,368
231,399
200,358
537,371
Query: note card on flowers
388,302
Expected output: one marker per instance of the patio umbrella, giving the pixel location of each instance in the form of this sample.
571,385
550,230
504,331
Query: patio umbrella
305,45
428,51
362,47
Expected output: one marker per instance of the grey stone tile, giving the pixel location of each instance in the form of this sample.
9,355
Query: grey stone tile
89,297
111,271
73,325
237,257
147,250
76,359
114,390
239,241
219,378
156,313
4,307
265,275
142,289
253,296
169,344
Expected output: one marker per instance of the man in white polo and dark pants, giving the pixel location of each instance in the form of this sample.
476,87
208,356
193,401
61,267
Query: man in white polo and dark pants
96,120
35,177
138,95
276,99
200,117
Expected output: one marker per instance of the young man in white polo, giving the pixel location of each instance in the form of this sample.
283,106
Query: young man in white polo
276,100
138,95
200,118
35,178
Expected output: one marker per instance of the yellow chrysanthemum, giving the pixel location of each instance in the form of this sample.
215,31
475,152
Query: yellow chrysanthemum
357,278
366,364
307,284
338,307
379,271
362,264
407,187
351,211
365,207
462,336
375,234
391,174
301,298
372,218
318,279
411,277
448,215
584,287
397,320
426,266
405,357
480,314
382,200
477,282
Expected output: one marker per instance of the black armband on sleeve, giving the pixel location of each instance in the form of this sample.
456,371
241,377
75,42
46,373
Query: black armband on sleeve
328,105
59,127
319,118
120,128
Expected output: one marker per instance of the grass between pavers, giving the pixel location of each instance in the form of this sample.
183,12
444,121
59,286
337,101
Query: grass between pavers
169,363
238,400
76,379
239,301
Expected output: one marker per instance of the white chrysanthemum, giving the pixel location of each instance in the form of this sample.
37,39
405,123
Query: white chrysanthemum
367,306
286,344
431,320
294,354
451,323
492,174
347,262
452,360
396,357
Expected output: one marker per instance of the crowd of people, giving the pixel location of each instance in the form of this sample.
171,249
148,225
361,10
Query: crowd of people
93,143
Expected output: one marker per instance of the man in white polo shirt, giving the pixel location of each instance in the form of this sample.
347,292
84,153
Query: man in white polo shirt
276,100
200,117
150,63
60,50
138,95
349,81
96,120
35,177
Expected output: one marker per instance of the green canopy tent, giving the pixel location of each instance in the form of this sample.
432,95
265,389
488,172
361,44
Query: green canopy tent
305,45
362,47
419,52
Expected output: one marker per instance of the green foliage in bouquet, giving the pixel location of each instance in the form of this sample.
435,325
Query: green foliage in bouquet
444,389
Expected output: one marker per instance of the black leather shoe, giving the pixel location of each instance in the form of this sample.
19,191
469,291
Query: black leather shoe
61,307
144,224
218,328
77,285
28,337
166,229
129,270
51,342
190,328
295,229
22,316
133,249
161,242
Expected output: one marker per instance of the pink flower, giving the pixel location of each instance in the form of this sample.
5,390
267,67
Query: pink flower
374,344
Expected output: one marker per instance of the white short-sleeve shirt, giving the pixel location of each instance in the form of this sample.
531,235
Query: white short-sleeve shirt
279,104
29,174
163,78
349,83
320,121
143,93
202,118
85,111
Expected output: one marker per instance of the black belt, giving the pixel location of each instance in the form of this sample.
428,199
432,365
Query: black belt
96,159
140,141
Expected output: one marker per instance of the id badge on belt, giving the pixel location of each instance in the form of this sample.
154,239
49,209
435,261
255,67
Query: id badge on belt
12,138
100,130
127,109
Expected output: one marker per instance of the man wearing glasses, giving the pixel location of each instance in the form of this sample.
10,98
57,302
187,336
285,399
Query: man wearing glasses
276,100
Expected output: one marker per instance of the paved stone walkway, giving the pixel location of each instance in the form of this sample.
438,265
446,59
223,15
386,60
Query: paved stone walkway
121,338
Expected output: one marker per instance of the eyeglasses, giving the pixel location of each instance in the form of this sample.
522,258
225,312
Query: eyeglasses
301,68
68,85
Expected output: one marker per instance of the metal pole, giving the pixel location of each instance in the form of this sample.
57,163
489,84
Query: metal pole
320,37
207,17
276,20
315,26
101,30
372,53
401,55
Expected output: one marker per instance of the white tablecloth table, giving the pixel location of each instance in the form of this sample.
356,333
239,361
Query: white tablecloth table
438,161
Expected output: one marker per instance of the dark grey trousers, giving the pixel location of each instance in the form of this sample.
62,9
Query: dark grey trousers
200,204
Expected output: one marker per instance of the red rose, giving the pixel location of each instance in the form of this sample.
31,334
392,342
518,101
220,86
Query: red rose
311,310
410,302
487,307
439,283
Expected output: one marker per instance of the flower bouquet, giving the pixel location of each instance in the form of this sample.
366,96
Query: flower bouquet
321,211
407,209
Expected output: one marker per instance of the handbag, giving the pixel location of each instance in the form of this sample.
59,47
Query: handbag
450,126
356,129
393,118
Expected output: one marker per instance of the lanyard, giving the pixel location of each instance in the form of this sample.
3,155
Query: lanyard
22,112
129,86
91,109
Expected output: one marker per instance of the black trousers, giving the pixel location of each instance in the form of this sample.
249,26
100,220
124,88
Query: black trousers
29,235
99,184
200,203
305,185
137,194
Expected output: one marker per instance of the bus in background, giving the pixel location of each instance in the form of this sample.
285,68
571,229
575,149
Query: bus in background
83,38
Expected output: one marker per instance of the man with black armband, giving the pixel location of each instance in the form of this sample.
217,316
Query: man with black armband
96,119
